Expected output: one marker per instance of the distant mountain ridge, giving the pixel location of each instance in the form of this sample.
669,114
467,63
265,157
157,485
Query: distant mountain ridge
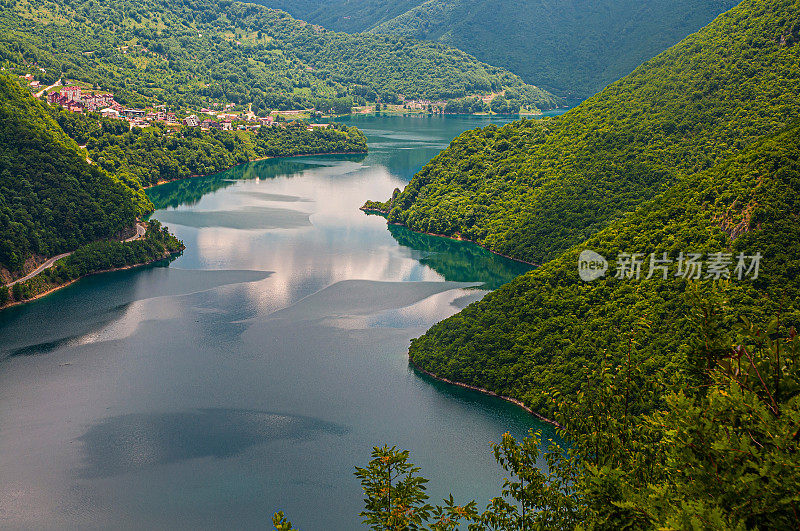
188,53
532,189
351,16
569,47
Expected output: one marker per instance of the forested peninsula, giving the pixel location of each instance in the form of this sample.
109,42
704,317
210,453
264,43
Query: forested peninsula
534,188
157,154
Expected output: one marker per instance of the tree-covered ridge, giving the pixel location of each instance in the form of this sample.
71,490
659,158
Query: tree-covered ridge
51,199
570,47
184,54
352,16
143,157
540,336
533,189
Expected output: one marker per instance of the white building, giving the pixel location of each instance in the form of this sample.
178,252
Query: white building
108,112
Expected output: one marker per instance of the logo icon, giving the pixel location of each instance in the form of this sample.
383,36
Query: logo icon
591,265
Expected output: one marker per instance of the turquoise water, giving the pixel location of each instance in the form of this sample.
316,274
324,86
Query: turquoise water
253,372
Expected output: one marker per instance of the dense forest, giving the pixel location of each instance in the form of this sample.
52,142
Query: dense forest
532,189
51,199
186,54
143,157
571,47
546,330
352,16
675,386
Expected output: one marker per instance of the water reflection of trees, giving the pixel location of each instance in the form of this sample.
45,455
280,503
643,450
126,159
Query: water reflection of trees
460,261
190,191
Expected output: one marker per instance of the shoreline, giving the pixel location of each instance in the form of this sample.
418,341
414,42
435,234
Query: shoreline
166,181
456,238
61,286
487,392
56,288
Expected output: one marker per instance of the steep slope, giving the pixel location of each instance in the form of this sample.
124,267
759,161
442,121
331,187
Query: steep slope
352,16
571,47
543,333
188,53
51,199
532,189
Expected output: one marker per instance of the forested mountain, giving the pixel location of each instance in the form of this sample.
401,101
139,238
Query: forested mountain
144,157
570,47
542,334
676,387
51,199
532,189
352,16
187,53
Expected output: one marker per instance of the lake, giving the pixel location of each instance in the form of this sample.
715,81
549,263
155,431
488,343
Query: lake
252,373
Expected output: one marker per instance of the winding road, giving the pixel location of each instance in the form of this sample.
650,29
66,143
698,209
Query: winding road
56,84
141,229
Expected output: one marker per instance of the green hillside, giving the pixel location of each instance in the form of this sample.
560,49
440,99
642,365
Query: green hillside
532,189
570,47
352,16
144,157
51,199
190,53
547,330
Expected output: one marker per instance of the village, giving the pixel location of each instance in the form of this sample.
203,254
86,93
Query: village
76,99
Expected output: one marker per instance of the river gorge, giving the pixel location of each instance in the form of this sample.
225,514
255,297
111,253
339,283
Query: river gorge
251,374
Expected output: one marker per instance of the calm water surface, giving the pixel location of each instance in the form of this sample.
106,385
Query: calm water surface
253,372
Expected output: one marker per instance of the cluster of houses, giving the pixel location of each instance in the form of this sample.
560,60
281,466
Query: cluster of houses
225,122
32,83
74,99
421,105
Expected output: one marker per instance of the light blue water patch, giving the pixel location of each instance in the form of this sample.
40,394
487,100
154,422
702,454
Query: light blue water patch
363,297
245,218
